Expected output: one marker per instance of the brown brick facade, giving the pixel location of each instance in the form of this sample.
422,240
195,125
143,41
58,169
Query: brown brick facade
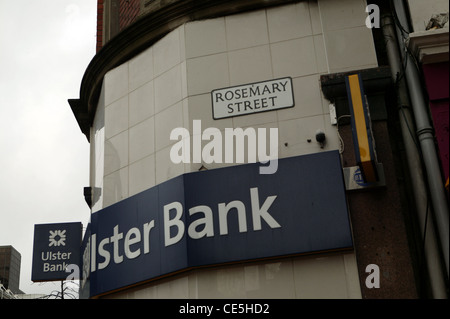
99,25
128,10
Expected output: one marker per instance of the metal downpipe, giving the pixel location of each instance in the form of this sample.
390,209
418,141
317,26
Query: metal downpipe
426,223
426,140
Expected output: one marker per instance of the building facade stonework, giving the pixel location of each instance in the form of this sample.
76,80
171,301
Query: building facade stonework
156,67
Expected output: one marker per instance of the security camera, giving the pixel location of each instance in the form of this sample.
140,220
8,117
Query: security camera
320,136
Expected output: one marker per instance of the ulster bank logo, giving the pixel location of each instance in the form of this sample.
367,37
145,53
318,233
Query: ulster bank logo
57,238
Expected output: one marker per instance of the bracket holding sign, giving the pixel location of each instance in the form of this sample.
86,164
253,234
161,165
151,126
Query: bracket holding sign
354,181
368,173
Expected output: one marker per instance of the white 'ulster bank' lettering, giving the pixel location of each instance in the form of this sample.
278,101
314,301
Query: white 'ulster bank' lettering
258,213
137,241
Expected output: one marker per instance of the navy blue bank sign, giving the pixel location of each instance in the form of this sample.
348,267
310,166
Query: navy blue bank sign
218,216
55,247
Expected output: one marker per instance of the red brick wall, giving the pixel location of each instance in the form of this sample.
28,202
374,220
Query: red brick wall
99,24
128,11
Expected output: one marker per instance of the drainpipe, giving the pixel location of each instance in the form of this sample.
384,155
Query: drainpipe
430,246
426,140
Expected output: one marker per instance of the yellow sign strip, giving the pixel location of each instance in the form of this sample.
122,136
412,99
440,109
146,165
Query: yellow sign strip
359,117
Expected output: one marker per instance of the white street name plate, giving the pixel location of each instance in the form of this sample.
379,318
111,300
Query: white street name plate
252,98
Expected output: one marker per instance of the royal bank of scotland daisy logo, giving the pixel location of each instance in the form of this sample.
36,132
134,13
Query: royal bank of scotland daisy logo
57,238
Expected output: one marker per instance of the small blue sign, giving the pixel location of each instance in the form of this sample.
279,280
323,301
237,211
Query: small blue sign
219,216
55,247
359,179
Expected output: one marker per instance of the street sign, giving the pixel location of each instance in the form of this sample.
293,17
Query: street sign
252,98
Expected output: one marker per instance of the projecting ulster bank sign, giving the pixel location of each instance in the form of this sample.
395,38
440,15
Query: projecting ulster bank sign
218,216
55,247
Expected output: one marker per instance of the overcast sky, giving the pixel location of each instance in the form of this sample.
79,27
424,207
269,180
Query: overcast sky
45,47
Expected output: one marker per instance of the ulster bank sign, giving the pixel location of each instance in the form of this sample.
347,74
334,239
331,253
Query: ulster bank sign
55,247
218,216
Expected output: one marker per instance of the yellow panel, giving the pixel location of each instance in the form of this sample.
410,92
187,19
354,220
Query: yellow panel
360,120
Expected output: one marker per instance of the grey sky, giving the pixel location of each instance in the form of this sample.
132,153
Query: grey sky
45,47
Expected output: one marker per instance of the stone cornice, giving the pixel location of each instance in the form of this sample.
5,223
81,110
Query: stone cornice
429,46
140,35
